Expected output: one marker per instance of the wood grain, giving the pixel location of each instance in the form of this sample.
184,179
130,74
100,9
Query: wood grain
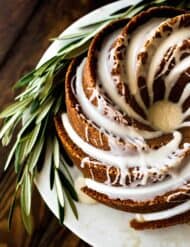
9,17
25,29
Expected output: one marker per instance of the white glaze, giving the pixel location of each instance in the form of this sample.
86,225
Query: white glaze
106,79
168,159
141,193
96,116
177,37
165,214
185,94
137,40
174,74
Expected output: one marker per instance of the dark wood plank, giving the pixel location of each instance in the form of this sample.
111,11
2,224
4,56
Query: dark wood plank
13,17
49,19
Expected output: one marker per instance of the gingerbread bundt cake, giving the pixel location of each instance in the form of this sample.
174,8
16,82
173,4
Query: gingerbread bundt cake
128,117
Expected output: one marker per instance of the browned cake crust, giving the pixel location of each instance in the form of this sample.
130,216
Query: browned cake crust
178,219
99,174
80,123
95,169
77,117
159,203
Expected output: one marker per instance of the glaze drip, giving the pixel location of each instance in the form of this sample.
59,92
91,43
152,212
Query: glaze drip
131,75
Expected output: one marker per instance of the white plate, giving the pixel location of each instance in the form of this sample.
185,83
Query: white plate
99,225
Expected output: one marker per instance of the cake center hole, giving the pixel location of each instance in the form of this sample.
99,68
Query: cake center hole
165,116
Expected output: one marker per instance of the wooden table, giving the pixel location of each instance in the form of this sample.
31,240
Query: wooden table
25,30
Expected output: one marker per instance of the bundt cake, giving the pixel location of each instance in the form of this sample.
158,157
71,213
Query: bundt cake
128,117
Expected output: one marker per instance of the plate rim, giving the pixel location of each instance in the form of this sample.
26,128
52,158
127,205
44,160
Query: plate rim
50,51
41,186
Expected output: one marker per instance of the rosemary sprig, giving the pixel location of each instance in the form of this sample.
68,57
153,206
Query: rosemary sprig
61,178
35,107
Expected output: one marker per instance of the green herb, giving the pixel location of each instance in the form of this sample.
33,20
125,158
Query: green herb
35,107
